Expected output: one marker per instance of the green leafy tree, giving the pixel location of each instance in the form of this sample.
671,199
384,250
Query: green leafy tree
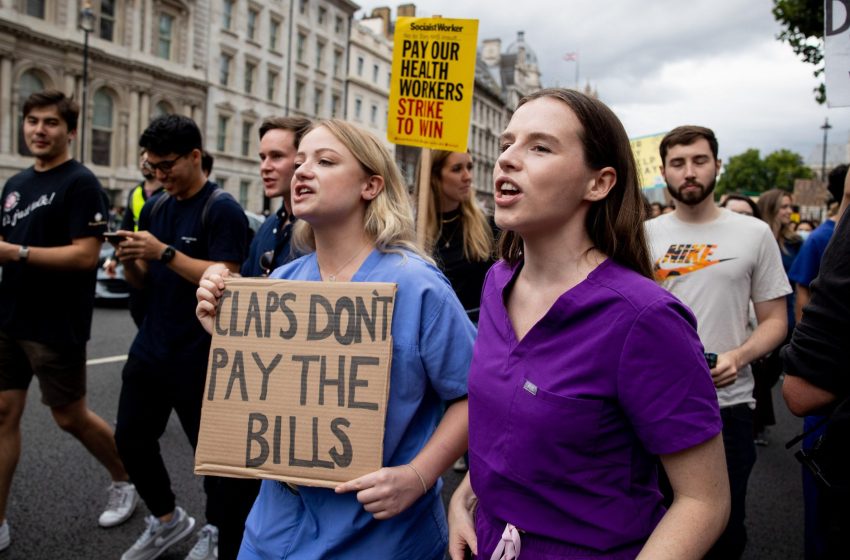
745,172
802,22
748,172
783,167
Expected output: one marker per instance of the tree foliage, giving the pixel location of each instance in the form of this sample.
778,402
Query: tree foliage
748,172
783,167
802,21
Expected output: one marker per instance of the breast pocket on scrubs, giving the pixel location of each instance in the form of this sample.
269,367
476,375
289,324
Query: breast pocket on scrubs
551,437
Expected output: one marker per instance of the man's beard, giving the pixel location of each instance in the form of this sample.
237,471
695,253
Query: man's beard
692,198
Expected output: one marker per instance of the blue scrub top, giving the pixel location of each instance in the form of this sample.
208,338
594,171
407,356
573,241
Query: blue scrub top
432,349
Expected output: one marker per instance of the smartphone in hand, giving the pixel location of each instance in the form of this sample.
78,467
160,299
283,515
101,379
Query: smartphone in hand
711,359
114,237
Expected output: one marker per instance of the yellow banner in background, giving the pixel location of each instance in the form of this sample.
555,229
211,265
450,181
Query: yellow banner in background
432,82
645,150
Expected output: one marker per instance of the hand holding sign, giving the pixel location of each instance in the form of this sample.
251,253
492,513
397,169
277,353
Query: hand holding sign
385,492
209,293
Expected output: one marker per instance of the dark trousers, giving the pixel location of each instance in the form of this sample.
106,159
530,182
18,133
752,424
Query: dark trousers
740,459
148,395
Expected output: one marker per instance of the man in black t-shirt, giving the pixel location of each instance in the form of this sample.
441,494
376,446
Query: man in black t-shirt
51,223
182,231
817,378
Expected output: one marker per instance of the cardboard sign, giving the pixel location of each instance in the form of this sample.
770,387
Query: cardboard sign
297,381
432,82
837,52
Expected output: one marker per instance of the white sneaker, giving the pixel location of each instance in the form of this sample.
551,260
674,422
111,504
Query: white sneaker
158,536
207,546
5,540
122,503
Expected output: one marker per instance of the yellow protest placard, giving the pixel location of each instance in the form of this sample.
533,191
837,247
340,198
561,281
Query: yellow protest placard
648,159
297,382
433,79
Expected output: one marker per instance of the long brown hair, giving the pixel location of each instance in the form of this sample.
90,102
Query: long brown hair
478,242
769,203
615,223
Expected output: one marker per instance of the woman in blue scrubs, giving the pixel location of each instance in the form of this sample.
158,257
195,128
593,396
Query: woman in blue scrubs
356,222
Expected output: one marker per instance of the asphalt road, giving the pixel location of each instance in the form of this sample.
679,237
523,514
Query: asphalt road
59,489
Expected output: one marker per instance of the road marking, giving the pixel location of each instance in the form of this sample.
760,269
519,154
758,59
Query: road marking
107,360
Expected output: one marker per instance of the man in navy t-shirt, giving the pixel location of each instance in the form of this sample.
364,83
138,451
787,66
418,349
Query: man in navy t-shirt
179,237
279,138
51,223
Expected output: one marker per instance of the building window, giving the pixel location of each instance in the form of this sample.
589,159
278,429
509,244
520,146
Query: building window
107,20
299,47
225,62
244,189
271,85
247,128
101,124
253,16
29,84
274,33
338,25
165,38
317,102
320,54
360,62
35,8
302,6
375,73
335,102
337,63
227,14
358,108
299,95
161,109
373,115
323,13
250,70
221,133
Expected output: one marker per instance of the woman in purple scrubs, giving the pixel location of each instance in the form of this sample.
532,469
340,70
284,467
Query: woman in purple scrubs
584,372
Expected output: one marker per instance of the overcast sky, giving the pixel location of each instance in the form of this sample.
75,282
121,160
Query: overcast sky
662,63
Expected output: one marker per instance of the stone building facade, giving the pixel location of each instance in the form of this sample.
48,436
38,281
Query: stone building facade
227,64
146,57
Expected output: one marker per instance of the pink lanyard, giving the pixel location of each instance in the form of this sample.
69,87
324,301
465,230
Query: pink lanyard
509,546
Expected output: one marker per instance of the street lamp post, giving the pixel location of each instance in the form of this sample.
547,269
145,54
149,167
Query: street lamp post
87,18
826,126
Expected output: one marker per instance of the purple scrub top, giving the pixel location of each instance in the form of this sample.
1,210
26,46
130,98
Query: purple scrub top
565,426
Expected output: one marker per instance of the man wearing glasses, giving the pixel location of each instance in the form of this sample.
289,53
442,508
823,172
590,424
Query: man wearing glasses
166,366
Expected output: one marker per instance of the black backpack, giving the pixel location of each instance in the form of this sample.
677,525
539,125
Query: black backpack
217,193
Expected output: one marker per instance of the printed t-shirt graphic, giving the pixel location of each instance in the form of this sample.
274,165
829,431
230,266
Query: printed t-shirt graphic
684,258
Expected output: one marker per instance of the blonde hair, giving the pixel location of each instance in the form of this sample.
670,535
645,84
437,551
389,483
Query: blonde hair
389,216
478,241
